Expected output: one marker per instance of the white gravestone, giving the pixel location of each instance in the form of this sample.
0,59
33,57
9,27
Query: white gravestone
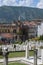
39,52
42,55
27,51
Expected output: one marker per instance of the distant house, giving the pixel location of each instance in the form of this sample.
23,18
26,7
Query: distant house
18,30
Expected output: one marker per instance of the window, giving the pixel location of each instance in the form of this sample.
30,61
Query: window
8,31
14,31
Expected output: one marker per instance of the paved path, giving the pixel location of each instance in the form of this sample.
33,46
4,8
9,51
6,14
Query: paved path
19,59
23,59
12,59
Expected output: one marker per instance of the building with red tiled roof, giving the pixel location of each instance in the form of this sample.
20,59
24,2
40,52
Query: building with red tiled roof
19,30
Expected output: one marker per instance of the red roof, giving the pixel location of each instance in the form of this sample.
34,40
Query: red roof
6,35
30,23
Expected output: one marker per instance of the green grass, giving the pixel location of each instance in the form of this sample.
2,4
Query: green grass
19,54
31,53
14,63
1,56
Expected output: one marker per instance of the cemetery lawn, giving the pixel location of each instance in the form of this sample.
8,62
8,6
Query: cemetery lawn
14,63
17,64
19,54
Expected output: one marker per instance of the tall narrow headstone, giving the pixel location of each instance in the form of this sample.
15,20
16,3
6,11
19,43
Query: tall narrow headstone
27,51
35,56
39,53
42,55
39,50
5,55
6,60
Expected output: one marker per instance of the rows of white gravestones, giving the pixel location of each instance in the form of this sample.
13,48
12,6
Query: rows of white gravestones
37,46
17,48
28,46
10,47
31,44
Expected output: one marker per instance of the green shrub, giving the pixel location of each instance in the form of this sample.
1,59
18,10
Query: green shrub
41,47
18,42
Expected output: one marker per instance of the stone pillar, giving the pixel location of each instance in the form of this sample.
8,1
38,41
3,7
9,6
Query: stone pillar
6,60
42,55
5,55
27,51
35,56
39,53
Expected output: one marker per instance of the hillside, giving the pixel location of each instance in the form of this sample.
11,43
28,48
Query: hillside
10,13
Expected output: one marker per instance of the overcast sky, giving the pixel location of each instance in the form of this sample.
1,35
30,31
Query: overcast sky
28,3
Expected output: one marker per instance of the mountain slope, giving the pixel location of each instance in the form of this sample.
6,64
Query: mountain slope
10,13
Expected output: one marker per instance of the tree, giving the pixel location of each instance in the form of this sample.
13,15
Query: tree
41,37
